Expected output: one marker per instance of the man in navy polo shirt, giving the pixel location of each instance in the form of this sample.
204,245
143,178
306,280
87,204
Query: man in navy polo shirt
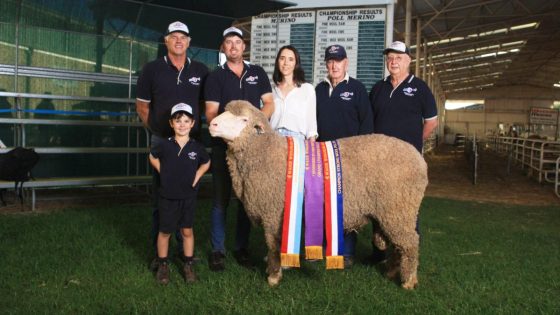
343,110
164,82
403,106
234,80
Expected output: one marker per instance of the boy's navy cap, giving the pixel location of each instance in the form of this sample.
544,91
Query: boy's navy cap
177,27
397,47
233,31
182,107
335,52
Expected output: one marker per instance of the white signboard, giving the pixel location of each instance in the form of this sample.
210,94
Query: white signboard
543,116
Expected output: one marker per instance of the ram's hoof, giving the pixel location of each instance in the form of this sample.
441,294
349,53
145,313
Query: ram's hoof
274,279
411,283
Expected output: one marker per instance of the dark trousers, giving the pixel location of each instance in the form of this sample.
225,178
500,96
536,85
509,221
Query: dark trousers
221,181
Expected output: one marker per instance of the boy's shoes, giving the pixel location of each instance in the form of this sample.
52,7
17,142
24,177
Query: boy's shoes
242,258
162,275
188,272
216,261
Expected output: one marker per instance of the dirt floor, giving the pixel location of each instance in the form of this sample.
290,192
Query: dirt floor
450,177
449,174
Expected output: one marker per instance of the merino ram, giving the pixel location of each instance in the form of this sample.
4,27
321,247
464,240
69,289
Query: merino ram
384,179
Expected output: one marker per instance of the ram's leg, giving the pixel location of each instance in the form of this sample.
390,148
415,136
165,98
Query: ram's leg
379,240
404,257
406,251
409,267
380,249
393,264
273,268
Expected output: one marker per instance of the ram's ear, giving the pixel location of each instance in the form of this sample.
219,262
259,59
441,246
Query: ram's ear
259,128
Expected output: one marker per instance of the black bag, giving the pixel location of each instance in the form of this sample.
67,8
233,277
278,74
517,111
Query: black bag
16,166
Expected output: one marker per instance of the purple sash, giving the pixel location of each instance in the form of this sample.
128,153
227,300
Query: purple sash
313,201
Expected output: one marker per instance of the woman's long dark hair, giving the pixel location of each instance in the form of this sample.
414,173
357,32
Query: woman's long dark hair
299,75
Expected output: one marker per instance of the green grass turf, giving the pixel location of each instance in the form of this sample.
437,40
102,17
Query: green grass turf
475,258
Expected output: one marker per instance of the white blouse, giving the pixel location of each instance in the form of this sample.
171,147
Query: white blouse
297,111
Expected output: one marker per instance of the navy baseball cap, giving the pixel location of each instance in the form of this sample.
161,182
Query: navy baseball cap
335,52
397,47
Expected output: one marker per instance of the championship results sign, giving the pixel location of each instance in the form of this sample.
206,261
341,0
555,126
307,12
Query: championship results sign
360,30
270,31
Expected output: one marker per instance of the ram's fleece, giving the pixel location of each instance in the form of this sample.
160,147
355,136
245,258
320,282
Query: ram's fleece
384,179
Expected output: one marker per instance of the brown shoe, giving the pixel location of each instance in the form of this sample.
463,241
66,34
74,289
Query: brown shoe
188,272
162,275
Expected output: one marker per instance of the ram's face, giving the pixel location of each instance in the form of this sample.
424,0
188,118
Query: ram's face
227,126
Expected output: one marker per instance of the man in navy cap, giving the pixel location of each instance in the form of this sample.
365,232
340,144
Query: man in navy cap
343,110
164,82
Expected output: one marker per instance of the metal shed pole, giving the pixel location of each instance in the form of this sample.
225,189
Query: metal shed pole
418,47
390,27
408,22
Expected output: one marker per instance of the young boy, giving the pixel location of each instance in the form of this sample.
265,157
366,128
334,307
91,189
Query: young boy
181,162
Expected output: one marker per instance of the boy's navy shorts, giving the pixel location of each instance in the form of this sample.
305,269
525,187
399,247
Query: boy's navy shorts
175,214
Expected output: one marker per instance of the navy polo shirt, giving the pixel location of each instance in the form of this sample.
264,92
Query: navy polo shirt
178,167
400,112
345,113
163,86
224,86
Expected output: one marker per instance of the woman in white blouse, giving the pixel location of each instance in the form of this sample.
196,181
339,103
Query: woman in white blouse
294,100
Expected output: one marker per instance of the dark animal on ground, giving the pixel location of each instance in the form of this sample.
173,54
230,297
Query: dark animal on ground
16,166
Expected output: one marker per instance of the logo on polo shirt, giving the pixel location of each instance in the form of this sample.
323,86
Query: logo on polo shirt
194,80
347,96
252,79
408,91
192,155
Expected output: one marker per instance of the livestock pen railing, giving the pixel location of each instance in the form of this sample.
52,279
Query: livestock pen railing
538,157
557,178
135,170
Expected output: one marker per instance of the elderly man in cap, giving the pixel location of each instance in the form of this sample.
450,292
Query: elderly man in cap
164,82
234,80
403,105
343,110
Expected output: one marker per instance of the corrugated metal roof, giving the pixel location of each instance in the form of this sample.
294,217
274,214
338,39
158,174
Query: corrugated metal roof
487,43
